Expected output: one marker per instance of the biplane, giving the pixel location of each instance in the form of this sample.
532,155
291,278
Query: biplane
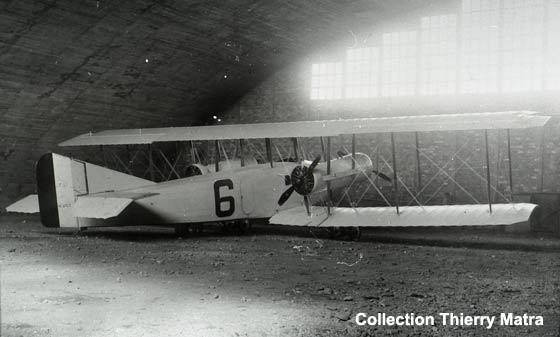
77,194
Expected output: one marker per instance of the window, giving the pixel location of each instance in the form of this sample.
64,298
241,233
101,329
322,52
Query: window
362,73
326,81
552,74
399,64
439,55
522,45
480,46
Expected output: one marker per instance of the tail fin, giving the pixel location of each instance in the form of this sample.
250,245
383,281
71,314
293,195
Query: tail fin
61,180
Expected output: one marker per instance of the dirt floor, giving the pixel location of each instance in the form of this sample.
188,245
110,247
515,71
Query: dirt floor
276,282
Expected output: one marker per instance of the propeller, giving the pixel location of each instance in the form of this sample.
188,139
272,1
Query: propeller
306,202
303,183
286,195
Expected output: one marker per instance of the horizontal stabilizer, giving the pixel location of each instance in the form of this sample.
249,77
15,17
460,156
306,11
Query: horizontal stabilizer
100,207
410,216
122,195
29,204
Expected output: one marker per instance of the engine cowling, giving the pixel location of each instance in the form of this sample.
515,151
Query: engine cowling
196,170
225,165
306,182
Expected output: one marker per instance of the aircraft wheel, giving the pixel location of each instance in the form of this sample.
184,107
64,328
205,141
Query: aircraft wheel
198,229
241,227
334,232
353,233
224,228
182,230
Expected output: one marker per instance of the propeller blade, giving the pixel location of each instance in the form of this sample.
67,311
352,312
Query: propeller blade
382,176
314,163
286,195
306,202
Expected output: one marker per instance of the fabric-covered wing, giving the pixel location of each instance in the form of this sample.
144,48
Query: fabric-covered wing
411,216
426,123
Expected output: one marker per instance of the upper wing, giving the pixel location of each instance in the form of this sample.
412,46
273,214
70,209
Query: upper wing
411,216
450,122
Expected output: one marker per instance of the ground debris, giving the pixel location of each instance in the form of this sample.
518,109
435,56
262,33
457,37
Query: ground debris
342,315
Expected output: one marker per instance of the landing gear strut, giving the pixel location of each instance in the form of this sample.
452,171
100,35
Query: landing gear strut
345,233
188,230
182,230
237,227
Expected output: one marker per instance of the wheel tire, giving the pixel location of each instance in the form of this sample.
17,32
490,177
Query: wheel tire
334,232
354,233
198,229
241,227
182,230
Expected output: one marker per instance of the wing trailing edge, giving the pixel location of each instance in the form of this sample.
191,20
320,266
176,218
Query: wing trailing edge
410,216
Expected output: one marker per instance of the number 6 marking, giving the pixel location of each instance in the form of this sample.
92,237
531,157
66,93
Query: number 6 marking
218,200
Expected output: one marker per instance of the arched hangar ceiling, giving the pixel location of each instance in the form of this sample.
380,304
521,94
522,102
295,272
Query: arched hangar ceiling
68,67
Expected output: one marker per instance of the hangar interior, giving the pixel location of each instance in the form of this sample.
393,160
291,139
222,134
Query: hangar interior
152,64
75,67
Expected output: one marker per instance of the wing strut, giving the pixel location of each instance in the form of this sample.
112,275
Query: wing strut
328,159
509,165
268,144
217,155
395,178
191,148
353,151
151,162
295,144
488,191
418,169
242,152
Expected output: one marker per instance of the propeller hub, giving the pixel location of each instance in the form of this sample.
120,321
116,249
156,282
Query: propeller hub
303,180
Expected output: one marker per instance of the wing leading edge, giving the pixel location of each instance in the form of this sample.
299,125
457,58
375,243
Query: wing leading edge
411,216
425,123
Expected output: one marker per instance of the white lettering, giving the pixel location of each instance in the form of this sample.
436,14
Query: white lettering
520,320
449,318
358,321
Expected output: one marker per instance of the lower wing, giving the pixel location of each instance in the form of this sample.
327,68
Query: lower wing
408,216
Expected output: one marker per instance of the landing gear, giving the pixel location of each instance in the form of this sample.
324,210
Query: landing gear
182,230
345,233
188,230
241,227
353,233
237,227
197,229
